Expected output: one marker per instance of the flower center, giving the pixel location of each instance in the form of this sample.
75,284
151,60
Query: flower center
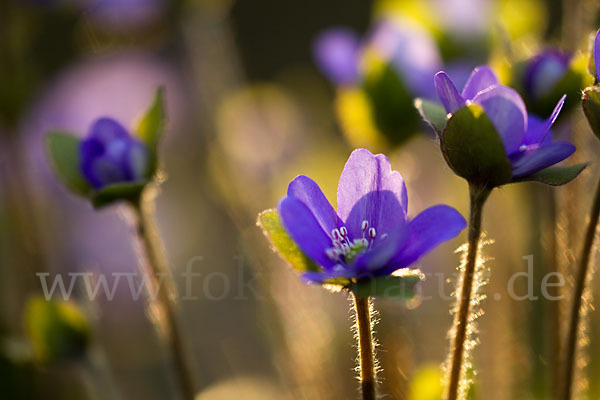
345,249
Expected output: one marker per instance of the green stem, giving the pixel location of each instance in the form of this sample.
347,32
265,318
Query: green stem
478,196
156,267
365,347
580,279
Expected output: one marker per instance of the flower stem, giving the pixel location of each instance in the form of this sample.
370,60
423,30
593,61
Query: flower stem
365,347
478,196
580,280
155,268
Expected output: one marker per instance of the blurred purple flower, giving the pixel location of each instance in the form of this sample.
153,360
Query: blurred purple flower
124,14
527,139
109,154
336,52
370,234
409,48
544,71
466,19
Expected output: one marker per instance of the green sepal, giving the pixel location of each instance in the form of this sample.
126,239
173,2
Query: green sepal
591,108
390,286
151,127
63,151
555,176
58,330
393,111
473,148
282,243
130,191
434,114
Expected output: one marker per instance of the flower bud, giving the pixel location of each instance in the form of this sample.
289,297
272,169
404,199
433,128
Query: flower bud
109,155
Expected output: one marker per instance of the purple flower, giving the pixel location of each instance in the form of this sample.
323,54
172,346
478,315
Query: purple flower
544,71
336,52
406,46
370,235
597,54
527,139
410,49
109,155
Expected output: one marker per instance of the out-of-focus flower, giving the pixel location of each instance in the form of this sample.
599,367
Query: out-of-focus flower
347,60
109,154
337,53
370,235
546,76
58,330
544,71
124,15
488,125
388,68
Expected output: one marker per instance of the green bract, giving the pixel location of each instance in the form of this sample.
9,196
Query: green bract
269,221
591,108
63,151
474,150
433,114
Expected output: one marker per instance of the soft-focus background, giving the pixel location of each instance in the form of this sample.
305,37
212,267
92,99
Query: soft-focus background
248,111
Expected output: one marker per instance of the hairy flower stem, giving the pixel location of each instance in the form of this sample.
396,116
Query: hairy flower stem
365,347
478,196
580,280
156,269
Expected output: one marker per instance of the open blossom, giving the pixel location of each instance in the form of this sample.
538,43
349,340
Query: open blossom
109,155
527,139
370,235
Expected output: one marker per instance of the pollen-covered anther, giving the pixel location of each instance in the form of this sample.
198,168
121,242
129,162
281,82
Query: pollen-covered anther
344,231
372,233
365,225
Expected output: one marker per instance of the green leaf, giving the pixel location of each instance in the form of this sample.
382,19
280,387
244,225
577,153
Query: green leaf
118,192
270,223
555,176
474,150
433,114
152,126
391,286
63,151
591,108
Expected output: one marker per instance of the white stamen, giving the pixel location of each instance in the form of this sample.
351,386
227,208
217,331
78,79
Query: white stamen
344,231
365,225
336,234
372,233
